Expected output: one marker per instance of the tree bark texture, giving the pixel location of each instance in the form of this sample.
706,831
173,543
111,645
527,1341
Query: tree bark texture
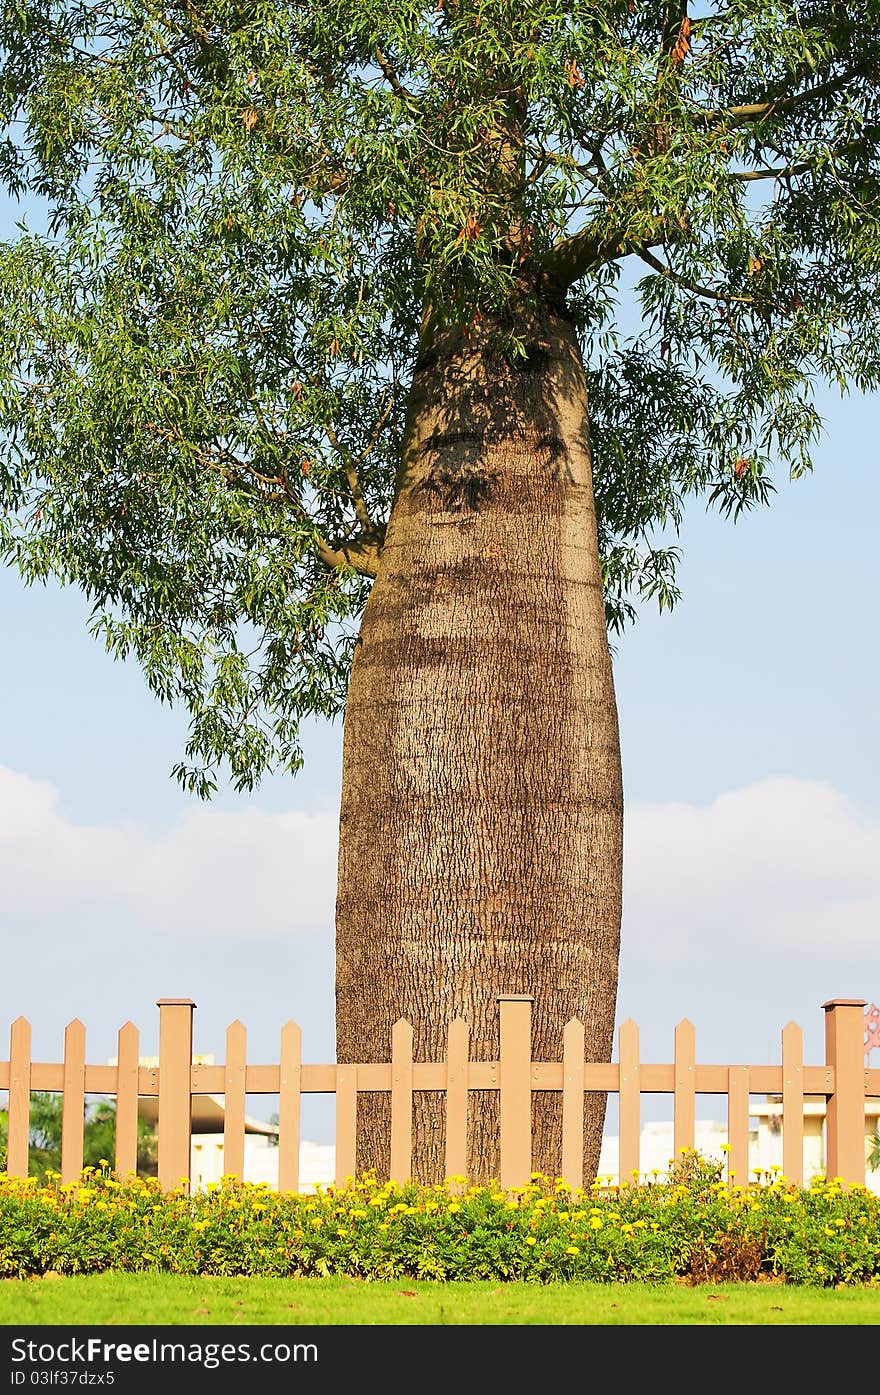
481,827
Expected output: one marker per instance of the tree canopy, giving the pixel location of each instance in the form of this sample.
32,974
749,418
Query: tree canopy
256,214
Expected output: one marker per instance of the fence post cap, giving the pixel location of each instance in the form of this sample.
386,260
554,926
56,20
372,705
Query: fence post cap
175,1002
514,998
844,1002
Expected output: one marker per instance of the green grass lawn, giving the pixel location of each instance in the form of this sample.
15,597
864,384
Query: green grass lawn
181,1300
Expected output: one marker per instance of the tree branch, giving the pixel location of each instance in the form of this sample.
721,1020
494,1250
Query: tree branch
575,255
693,286
349,466
392,79
785,171
776,172
759,111
361,553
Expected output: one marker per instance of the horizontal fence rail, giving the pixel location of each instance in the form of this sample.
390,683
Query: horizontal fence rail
843,1081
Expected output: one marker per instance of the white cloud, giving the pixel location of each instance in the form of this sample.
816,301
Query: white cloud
212,872
784,865
780,866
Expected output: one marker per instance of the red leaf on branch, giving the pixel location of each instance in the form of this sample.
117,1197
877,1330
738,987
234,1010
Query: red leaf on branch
681,47
471,230
575,77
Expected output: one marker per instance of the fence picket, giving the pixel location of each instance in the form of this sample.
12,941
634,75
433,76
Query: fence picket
126,1100
793,1103
401,1101
289,1108
685,1101
235,1084
630,1125
346,1123
18,1132
73,1101
573,1073
457,1095
738,1125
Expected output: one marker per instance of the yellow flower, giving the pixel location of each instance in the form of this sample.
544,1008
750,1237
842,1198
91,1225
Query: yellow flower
530,1240
596,1222
453,1208
572,1250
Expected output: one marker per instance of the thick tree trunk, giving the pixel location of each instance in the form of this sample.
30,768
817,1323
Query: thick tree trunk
481,821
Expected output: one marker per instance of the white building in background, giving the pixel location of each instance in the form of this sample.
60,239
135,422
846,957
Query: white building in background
765,1142
765,1151
316,1160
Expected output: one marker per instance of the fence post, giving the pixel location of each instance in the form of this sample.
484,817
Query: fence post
845,1117
175,1091
516,1088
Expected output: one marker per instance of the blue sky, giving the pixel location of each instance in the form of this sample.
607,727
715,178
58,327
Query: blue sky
750,747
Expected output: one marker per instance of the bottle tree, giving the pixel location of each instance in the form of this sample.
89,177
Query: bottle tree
365,362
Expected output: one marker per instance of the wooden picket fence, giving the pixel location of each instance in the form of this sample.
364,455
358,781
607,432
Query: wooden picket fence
843,1080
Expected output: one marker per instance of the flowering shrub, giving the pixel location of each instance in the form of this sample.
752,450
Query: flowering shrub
692,1227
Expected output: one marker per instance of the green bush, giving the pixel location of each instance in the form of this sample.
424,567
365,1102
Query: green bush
693,1227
